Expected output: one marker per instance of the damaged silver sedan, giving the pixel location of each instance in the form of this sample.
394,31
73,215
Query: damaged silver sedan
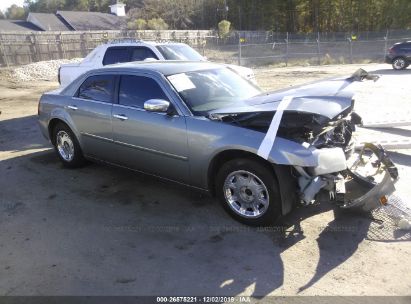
202,125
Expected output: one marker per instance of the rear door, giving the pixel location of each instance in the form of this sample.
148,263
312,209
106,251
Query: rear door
155,143
90,111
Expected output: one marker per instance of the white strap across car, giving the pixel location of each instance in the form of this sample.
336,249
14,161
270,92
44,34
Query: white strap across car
268,141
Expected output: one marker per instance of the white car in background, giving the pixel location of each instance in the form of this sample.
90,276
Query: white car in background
137,50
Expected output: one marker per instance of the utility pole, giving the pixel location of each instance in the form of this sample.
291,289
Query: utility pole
239,18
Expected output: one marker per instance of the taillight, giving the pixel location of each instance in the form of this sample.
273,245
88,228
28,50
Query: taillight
391,50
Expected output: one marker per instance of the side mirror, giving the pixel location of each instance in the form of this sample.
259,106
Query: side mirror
157,105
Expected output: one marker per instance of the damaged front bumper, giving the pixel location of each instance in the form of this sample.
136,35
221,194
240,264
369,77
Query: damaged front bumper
373,198
348,186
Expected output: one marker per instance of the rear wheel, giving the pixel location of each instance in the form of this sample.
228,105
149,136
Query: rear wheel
399,63
248,191
67,146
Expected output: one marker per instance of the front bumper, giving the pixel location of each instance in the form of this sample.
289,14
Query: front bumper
374,198
366,194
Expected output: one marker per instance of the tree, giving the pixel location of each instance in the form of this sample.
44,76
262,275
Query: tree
157,24
15,12
77,5
2,15
138,24
178,14
276,15
224,28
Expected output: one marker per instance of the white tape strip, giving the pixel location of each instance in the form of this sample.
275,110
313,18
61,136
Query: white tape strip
268,141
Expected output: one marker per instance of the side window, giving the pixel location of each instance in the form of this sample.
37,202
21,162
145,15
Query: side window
116,55
135,90
98,87
141,53
405,47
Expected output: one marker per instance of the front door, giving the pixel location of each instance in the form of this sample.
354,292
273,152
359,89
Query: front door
152,142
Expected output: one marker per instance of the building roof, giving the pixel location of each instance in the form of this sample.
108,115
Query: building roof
48,22
17,25
86,21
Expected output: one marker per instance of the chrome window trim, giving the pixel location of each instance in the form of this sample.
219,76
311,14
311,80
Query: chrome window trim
92,100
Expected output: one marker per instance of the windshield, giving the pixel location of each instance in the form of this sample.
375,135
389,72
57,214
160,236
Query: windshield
209,90
179,52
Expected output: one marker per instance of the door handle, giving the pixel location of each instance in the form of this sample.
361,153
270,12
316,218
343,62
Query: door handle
120,116
72,107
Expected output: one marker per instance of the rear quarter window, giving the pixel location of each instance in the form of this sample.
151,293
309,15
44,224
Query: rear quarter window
98,88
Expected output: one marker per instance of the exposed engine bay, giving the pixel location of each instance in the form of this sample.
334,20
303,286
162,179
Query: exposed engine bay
302,127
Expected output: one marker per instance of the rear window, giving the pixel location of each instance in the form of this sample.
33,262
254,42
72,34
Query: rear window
116,55
98,88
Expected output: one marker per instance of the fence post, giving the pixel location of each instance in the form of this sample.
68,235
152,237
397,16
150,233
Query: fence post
350,42
83,44
3,52
60,46
33,48
239,49
386,45
318,49
286,50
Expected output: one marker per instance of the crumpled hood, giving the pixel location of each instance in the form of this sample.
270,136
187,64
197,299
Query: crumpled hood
327,98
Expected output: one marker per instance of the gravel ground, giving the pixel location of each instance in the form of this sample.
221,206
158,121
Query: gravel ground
43,70
106,231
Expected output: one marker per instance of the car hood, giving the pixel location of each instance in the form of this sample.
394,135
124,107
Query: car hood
327,98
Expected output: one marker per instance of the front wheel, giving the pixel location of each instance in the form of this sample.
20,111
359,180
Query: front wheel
248,191
67,146
399,63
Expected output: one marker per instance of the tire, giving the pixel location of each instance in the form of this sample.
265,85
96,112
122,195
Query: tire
399,63
67,147
256,180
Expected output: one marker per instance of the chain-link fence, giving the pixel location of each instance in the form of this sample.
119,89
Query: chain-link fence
271,48
249,48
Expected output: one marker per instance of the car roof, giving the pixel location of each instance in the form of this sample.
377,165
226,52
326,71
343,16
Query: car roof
131,42
166,67
403,42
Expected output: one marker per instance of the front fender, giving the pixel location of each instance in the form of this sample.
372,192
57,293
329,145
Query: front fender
287,152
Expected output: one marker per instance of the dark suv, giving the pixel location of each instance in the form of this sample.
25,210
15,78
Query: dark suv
399,55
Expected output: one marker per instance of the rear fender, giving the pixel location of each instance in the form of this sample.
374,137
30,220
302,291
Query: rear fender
62,115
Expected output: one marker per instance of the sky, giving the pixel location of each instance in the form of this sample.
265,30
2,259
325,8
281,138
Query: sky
4,4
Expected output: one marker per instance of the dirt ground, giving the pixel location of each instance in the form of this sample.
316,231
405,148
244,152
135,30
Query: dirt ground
106,231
